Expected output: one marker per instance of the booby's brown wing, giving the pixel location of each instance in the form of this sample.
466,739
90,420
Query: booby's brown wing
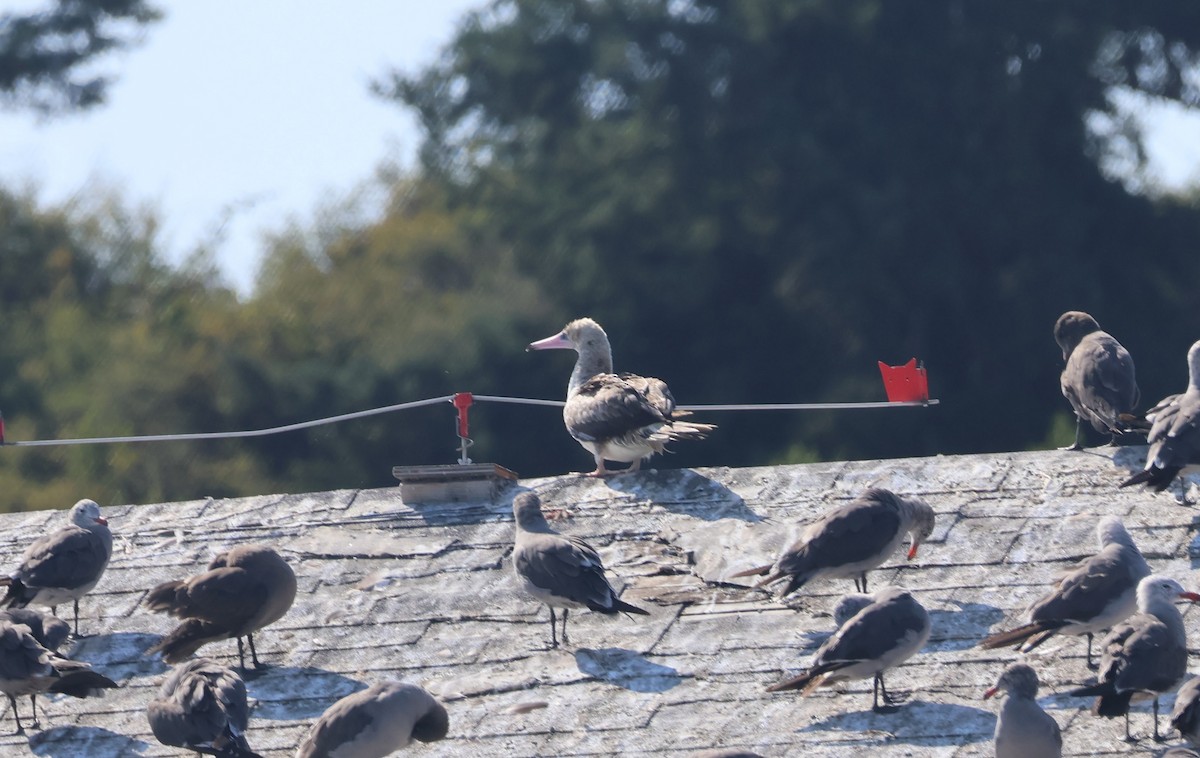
606,407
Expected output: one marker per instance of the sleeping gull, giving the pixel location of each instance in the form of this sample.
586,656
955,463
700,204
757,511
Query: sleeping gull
615,417
881,636
244,590
202,706
64,565
1095,595
375,722
850,540
1145,656
1023,729
1098,378
1175,434
562,572
1185,716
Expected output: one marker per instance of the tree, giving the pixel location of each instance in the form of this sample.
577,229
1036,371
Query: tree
46,57
761,199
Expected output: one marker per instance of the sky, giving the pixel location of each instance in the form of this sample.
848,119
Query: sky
242,116
257,108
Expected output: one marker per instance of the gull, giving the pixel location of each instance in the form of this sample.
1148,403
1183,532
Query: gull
850,540
202,706
881,636
64,565
615,417
562,572
1174,434
1144,656
374,722
1098,378
1099,592
1023,729
244,590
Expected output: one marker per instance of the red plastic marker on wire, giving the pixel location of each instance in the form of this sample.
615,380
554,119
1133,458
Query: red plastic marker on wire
905,384
462,401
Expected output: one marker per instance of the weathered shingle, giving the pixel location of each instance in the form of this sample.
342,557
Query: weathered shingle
425,593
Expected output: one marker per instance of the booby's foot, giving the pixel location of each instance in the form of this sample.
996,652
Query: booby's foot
1076,447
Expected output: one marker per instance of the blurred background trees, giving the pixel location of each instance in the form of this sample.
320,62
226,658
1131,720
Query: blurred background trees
758,200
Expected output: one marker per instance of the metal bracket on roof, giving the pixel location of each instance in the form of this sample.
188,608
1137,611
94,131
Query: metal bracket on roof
452,482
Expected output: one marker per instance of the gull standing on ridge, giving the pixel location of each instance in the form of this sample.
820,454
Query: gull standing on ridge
1175,435
1023,729
244,590
1097,594
881,636
375,722
850,540
27,668
615,417
1098,378
1145,656
202,706
62,566
562,572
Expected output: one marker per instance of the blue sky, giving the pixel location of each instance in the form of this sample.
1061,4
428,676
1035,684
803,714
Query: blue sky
257,112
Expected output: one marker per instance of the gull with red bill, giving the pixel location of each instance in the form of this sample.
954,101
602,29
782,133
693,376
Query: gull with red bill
850,540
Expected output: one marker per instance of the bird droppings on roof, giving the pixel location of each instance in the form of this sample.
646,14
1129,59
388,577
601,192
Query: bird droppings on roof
425,593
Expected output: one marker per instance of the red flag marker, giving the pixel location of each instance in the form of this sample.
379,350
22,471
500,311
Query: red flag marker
905,384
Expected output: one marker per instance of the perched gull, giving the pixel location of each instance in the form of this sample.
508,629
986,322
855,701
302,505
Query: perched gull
616,417
374,722
1174,435
850,540
1095,595
62,566
27,668
881,636
1098,379
1023,729
244,590
562,572
1185,716
202,706
1144,656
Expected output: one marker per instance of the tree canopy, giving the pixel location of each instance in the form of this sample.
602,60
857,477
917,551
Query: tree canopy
48,57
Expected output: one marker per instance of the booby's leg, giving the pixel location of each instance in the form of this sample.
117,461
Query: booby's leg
600,470
635,466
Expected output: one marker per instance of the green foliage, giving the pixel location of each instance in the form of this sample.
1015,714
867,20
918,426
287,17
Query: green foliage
46,56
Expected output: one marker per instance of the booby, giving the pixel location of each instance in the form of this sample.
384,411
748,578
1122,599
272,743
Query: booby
1144,656
881,636
1097,594
850,540
64,565
1098,378
615,417
562,572
1174,435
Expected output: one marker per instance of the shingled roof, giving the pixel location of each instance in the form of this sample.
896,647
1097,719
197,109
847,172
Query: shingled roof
425,592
